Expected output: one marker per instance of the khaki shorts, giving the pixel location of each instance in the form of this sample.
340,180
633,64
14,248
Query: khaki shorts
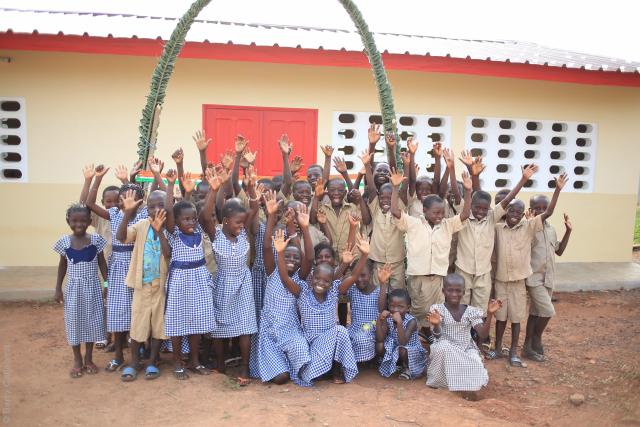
477,289
147,312
514,301
397,279
424,292
540,301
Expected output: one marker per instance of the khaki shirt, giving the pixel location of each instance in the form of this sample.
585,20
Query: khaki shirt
415,208
543,257
427,247
137,234
475,243
103,228
514,249
387,241
317,236
209,258
339,224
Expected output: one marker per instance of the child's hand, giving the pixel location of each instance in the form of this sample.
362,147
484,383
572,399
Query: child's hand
561,181
466,158
529,170
397,318
384,314
178,156
226,160
295,165
384,273
567,222
362,244
319,191
213,179
187,183
434,318
390,139
406,158
171,176
88,171
289,216
412,146
354,219
303,216
202,142
250,157
222,172
135,170
270,202
122,173
466,181
348,254
448,157
279,243
241,144
101,170
477,167
158,220
340,165
58,297
494,305
374,133
327,150
365,156
284,144
528,214
396,177
321,216
417,169
129,202
156,165
356,196
437,149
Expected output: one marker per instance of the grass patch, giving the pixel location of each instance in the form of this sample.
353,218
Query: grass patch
636,233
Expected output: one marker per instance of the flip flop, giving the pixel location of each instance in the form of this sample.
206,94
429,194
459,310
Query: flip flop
101,344
151,373
505,351
75,373
113,366
180,373
243,382
200,370
493,355
516,362
129,374
532,355
91,369
405,375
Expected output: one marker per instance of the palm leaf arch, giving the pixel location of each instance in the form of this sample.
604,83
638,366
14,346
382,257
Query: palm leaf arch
162,73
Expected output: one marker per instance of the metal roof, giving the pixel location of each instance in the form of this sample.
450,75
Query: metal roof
149,27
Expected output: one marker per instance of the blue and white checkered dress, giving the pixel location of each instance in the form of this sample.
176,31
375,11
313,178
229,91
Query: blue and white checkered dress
83,306
233,291
119,295
327,340
362,331
258,274
189,289
416,354
282,346
184,345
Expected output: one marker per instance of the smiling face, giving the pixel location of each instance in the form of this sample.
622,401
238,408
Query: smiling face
322,279
187,219
155,202
384,197
381,174
539,204
314,173
234,223
325,256
79,221
364,279
336,191
453,289
480,208
292,259
302,192
515,212
110,199
433,210
423,187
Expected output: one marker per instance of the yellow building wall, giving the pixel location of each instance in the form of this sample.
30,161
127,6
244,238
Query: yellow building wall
85,108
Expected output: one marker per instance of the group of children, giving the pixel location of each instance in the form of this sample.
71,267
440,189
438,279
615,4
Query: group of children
305,278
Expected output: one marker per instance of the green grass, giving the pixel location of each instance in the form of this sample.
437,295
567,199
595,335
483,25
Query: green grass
636,233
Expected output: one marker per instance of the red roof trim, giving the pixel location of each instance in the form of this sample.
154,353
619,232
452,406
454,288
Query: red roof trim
319,57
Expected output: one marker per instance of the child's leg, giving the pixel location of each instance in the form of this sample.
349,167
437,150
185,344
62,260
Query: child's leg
154,356
89,366
218,347
403,357
119,339
179,372
536,342
194,356
135,354
337,374
245,350
343,309
500,328
76,370
515,337
529,332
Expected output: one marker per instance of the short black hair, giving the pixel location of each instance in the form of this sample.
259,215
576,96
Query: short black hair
302,182
277,178
386,186
137,189
315,166
78,208
453,278
340,181
481,195
110,188
322,246
232,207
181,206
430,200
399,293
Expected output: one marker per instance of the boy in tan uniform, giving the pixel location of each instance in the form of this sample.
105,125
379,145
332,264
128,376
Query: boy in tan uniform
513,247
428,244
540,284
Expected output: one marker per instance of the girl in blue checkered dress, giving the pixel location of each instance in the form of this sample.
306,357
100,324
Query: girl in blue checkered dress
119,295
282,348
80,257
397,336
233,302
329,345
189,310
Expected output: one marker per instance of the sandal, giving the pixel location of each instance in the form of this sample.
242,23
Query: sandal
151,373
493,355
532,355
405,375
243,382
101,344
75,373
180,373
233,361
91,368
129,374
200,370
113,366
516,362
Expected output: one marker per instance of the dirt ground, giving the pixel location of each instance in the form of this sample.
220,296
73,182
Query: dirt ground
592,348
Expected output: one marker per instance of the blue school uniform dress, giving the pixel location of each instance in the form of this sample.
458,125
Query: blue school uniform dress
259,280
189,286
362,331
282,346
327,340
119,295
184,345
415,353
232,291
83,306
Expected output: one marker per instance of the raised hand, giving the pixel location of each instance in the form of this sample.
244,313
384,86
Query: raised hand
188,183
295,165
365,156
494,305
561,181
466,181
135,169
356,195
270,202
412,146
279,242
101,170
466,158
178,156
213,179
529,214
303,216
241,143
406,158
226,160
529,170
156,165
434,318
321,216
348,254
222,172
567,222
129,202
88,171
477,167
158,220
417,169
390,139
202,142
319,190
448,157
327,150
362,244
339,164
171,176
289,216
122,173
354,219
384,273
396,177
284,144
374,133
250,157
437,149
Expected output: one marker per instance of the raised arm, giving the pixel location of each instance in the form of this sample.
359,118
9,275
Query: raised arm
321,218
122,173
374,136
88,172
348,281
202,142
100,171
467,183
129,206
206,217
406,166
341,167
527,173
437,155
474,167
365,214
567,233
280,245
287,176
307,257
188,184
156,166
240,145
326,168
318,195
412,147
361,174
396,180
560,183
168,204
267,248
451,166
135,170
178,157
368,170
390,139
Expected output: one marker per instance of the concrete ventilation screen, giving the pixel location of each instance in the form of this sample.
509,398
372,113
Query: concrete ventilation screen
349,137
13,140
555,146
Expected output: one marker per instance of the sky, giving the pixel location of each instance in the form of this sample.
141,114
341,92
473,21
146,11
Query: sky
607,28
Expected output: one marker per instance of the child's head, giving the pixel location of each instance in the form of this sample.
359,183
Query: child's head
322,279
292,258
234,216
155,202
451,197
78,218
137,189
314,172
364,279
423,187
110,197
324,254
277,182
501,195
201,191
515,212
453,288
399,301
186,216
302,192
381,173
538,204
295,206
433,209
480,204
336,189
384,197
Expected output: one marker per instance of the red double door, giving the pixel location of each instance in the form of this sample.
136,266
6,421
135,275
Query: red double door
262,127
